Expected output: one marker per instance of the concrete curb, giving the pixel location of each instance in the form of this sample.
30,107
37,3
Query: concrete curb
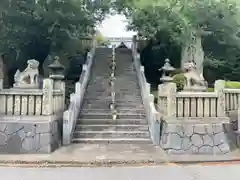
168,160
106,163
202,159
111,163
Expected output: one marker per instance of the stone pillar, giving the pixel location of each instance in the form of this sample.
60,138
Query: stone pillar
47,102
169,89
57,75
218,88
1,84
134,44
171,100
2,71
193,51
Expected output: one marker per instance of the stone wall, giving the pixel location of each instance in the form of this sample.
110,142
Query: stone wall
29,134
194,137
193,122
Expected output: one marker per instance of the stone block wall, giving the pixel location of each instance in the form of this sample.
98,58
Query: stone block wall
194,137
36,134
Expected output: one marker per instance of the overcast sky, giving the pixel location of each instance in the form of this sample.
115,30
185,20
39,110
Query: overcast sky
115,26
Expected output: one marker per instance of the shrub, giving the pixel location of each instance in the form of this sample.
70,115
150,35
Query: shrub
180,81
177,71
232,84
210,89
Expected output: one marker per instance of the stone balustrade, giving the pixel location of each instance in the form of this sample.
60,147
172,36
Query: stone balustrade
31,117
232,99
190,104
70,116
153,115
196,104
86,42
15,102
31,102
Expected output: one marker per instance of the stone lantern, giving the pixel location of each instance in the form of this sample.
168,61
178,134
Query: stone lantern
56,73
167,69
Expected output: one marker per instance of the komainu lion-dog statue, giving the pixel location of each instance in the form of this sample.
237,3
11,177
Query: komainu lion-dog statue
28,78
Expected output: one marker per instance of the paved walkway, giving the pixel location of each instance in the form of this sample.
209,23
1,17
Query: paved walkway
82,155
193,172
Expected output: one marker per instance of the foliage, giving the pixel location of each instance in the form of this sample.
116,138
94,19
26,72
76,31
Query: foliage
35,29
232,84
177,71
210,90
179,20
180,81
99,38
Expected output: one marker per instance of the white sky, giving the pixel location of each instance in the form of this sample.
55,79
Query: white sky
115,26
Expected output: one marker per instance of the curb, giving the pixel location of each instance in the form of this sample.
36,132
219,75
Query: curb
110,163
120,163
204,160
219,162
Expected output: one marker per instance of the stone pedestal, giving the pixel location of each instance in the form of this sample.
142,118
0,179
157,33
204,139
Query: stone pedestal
194,137
195,88
29,134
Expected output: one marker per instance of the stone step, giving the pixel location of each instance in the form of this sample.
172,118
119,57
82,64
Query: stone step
112,140
118,92
112,127
106,98
109,116
107,88
105,77
118,85
109,121
118,101
119,88
119,110
106,94
106,105
111,134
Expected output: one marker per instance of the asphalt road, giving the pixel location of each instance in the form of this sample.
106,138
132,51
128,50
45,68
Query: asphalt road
194,172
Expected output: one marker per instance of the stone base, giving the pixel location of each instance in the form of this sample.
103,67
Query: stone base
195,89
25,86
233,115
194,138
29,134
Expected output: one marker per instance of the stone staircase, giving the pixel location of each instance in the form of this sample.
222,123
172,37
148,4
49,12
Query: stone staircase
95,124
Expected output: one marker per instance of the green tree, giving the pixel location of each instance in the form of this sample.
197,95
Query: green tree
35,29
216,21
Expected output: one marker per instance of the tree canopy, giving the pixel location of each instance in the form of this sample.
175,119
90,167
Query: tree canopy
175,21
37,28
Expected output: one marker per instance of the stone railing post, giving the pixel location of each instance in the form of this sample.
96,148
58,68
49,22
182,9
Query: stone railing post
2,70
218,88
47,102
57,75
1,84
134,44
171,99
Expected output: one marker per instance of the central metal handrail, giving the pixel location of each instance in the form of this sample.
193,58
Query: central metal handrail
112,84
